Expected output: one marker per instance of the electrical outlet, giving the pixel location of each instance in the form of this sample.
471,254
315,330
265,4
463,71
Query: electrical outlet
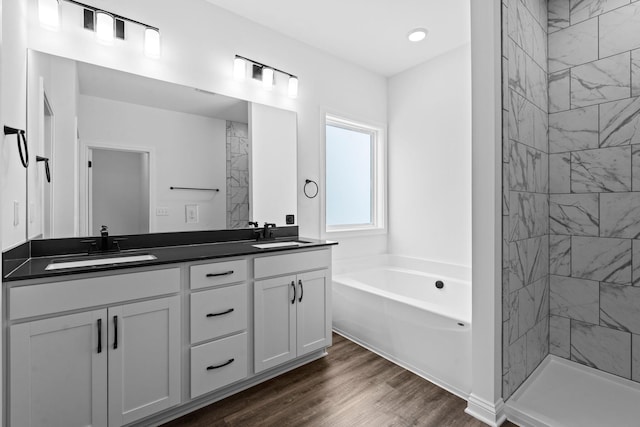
191,214
290,219
162,211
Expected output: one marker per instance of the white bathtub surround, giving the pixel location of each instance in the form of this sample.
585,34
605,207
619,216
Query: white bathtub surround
564,394
390,305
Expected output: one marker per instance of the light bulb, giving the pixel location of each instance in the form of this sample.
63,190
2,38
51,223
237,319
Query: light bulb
239,68
267,78
104,27
417,34
293,87
152,42
48,14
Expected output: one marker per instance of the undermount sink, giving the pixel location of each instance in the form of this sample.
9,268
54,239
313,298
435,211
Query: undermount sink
280,244
97,261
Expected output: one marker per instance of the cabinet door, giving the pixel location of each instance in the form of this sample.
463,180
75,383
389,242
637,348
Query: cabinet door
275,321
59,371
313,315
144,359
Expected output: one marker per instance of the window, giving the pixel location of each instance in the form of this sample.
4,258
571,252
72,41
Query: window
354,176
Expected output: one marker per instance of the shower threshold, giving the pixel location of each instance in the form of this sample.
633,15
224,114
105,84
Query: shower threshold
561,393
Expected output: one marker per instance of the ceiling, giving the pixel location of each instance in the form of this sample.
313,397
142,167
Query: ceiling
370,33
125,87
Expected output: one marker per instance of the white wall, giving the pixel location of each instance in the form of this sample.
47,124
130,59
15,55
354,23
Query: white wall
199,41
430,159
193,158
13,82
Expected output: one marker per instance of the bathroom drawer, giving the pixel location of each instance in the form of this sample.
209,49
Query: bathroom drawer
218,364
291,263
211,314
218,273
49,298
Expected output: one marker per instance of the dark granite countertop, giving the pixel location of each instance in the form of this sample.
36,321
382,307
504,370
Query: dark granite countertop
34,267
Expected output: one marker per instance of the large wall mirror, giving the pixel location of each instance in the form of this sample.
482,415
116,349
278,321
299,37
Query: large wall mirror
108,146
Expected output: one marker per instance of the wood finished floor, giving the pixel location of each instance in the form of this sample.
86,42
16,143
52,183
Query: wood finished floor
350,387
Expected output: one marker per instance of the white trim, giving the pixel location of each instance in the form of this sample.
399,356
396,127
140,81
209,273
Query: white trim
486,86
379,177
489,413
85,147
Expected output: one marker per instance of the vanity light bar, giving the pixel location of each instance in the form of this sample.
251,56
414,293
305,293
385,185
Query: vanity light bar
263,72
105,24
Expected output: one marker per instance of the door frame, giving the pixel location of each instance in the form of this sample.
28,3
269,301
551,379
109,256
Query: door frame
85,197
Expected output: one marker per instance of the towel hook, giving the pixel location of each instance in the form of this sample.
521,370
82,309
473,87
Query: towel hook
22,142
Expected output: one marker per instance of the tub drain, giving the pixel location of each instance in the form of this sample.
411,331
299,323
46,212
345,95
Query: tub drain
439,284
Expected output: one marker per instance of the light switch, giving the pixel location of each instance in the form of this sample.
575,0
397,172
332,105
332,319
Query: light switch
191,214
162,211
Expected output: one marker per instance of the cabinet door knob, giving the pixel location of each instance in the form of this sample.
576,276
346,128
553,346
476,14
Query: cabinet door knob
293,285
301,290
220,313
212,367
224,273
99,335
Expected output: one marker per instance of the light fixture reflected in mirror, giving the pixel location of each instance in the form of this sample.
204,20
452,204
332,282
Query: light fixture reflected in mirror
293,87
104,27
239,68
267,78
48,14
152,42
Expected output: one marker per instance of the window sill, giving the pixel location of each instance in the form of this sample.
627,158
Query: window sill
354,232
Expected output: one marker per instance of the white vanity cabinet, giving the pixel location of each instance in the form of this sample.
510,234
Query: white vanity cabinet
292,314
134,349
105,367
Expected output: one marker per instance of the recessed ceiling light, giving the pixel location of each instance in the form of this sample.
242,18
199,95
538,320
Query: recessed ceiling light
417,34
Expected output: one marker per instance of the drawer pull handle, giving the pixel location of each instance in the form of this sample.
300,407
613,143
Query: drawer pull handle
224,273
293,285
212,367
221,313
99,335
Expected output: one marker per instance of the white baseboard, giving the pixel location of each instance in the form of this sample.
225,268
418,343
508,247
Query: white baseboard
492,414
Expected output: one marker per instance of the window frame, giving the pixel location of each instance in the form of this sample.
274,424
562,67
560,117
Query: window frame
378,224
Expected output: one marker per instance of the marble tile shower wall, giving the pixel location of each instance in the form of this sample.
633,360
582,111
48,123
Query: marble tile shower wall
237,174
594,183
525,206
